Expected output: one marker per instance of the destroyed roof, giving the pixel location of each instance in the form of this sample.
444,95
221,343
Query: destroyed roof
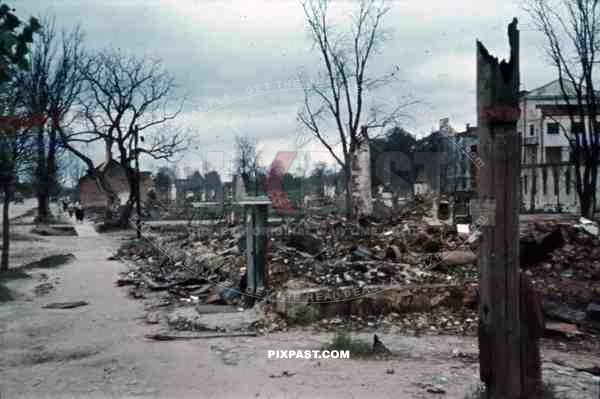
114,166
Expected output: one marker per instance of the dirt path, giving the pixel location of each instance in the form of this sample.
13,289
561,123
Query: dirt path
99,350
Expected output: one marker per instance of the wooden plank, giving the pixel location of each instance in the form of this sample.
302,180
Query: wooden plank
204,335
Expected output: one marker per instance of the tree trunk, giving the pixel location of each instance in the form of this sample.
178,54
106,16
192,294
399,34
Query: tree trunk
348,183
42,189
125,213
127,210
5,230
51,167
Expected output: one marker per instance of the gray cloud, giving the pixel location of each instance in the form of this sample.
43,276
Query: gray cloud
214,48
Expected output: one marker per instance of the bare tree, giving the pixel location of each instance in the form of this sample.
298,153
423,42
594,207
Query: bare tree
50,88
342,89
123,97
16,146
571,30
246,160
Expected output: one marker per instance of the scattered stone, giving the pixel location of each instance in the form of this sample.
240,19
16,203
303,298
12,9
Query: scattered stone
284,373
562,312
393,252
593,312
125,281
588,226
65,305
458,258
136,293
436,390
361,253
152,318
43,289
564,329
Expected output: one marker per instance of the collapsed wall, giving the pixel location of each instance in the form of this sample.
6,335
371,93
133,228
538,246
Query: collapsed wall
360,179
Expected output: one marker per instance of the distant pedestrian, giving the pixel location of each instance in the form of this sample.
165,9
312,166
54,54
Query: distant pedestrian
79,214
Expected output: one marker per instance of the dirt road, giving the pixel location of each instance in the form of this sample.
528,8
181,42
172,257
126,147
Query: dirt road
99,350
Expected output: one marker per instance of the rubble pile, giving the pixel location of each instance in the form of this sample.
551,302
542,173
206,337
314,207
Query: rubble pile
327,253
563,261
321,252
437,321
180,263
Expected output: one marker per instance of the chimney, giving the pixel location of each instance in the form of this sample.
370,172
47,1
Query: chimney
444,124
468,126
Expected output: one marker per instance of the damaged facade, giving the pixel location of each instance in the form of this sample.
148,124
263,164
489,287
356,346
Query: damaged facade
547,171
91,195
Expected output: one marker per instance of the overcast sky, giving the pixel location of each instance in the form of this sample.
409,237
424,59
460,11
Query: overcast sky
214,48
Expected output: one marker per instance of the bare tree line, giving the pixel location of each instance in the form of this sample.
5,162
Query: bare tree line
73,97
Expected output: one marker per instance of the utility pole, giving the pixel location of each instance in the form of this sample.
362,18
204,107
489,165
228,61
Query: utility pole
138,201
509,321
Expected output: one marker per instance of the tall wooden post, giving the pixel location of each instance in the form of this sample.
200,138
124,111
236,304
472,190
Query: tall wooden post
500,335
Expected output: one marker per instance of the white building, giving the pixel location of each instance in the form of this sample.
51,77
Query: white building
547,171
544,125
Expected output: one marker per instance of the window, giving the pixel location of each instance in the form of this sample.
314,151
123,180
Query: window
531,130
525,187
552,128
568,181
577,128
553,154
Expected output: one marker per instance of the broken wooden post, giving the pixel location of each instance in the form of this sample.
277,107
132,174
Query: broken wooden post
256,210
503,363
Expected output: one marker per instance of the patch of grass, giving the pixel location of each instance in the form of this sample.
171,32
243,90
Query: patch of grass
302,314
59,356
344,342
547,392
54,230
49,262
13,274
5,294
